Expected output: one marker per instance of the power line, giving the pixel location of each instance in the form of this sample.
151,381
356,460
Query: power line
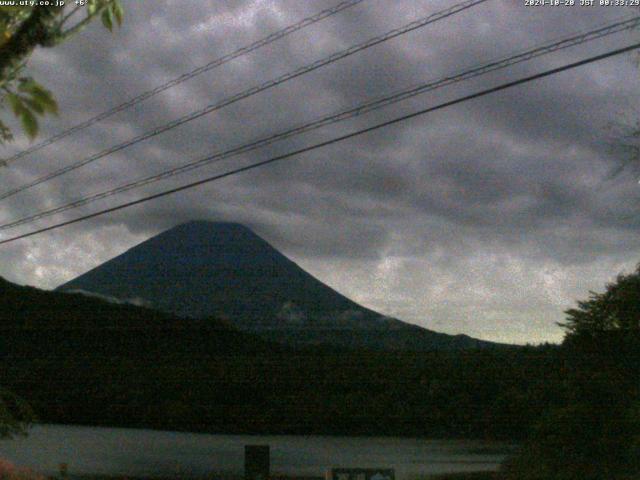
252,91
482,69
187,76
300,151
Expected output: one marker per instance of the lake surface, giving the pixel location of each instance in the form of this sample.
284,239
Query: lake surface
117,451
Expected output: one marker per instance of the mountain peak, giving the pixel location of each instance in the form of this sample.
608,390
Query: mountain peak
211,225
205,269
206,228
201,268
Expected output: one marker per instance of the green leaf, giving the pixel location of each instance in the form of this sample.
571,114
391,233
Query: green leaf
16,103
5,136
92,7
45,98
29,123
107,18
26,84
118,12
34,106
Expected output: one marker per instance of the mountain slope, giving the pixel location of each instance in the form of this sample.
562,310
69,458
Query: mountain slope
82,360
203,269
52,324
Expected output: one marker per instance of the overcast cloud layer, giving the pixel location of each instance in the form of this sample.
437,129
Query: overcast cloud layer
489,218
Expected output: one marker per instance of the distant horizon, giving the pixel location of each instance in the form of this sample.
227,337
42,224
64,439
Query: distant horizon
146,303
488,218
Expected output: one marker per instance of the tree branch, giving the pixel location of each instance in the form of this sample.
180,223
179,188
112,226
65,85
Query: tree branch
35,31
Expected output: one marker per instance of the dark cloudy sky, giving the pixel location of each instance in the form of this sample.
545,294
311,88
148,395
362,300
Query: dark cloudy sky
489,218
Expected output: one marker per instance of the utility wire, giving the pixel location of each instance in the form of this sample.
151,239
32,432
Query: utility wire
252,91
300,151
187,76
381,102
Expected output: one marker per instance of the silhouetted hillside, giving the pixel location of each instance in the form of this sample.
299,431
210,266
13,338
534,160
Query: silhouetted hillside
33,320
83,360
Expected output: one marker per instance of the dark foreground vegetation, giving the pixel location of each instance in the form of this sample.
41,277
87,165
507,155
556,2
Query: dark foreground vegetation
575,408
81,360
466,476
590,429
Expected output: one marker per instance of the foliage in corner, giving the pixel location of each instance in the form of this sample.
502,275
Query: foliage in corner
593,430
27,102
617,309
22,30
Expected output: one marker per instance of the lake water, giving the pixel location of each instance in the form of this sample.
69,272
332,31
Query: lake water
116,451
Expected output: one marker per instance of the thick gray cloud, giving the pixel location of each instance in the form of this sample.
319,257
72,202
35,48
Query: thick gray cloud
488,218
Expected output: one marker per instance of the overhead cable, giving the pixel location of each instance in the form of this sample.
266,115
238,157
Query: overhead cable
316,146
504,62
187,76
250,92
